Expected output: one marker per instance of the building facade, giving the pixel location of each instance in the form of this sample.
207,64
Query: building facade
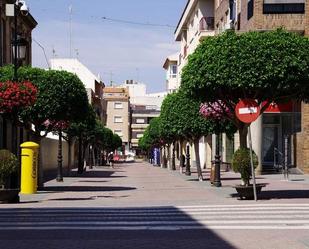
143,107
141,115
279,125
11,136
171,68
116,104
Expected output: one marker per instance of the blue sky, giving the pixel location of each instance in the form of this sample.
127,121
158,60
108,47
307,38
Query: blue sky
128,51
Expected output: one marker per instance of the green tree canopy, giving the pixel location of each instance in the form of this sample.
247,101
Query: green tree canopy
266,66
180,118
151,136
61,96
116,142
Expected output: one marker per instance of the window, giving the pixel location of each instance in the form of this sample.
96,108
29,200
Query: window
140,121
118,105
139,135
118,119
118,132
250,8
283,7
174,69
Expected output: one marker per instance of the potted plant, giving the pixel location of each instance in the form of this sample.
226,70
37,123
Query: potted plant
8,166
241,163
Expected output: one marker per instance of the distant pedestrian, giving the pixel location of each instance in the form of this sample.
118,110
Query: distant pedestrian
111,159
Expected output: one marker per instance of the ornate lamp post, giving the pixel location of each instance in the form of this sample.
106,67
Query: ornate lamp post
188,170
217,180
19,45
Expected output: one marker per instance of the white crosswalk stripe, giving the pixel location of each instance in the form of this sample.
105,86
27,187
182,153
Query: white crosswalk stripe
255,216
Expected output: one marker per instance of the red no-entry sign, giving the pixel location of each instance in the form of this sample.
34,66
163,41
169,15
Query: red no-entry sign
247,110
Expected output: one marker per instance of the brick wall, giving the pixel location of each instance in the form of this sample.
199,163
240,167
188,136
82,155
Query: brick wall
302,143
220,13
260,21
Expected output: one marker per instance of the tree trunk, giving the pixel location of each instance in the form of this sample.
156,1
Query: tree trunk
164,158
90,161
181,157
174,157
59,175
197,156
80,155
85,155
93,156
243,132
69,155
169,156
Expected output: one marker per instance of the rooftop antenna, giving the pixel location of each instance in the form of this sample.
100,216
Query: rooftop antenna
111,79
71,17
54,52
77,53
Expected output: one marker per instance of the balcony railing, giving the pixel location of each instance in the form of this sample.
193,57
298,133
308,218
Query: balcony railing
207,24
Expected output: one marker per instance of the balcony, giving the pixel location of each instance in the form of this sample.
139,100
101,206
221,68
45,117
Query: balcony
139,126
206,27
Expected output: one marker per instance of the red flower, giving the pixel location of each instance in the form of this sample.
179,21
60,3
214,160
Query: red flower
15,96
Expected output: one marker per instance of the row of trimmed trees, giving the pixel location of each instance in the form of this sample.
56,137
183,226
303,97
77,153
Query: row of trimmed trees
60,105
180,121
269,67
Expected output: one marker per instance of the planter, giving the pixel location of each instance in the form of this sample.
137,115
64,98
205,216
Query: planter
246,192
9,195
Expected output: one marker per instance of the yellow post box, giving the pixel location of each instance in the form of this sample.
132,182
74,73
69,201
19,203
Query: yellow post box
29,167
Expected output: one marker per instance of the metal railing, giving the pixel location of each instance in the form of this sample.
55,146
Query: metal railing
281,159
207,23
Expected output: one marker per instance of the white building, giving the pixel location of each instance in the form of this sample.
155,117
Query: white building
92,83
139,96
196,23
171,67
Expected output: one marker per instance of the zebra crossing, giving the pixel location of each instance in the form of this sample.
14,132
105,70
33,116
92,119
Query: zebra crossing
248,217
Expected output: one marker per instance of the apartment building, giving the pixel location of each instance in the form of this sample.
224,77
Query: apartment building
280,123
143,107
11,136
196,23
116,104
171,67
141,115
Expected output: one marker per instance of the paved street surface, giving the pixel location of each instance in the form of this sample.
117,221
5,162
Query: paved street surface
140,206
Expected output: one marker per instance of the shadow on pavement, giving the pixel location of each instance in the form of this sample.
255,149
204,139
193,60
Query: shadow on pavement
280,194
97,174
86,188
125,228
284,194
92,181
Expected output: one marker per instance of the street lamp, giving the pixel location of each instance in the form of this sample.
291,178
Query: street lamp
19,45
217,179
188,170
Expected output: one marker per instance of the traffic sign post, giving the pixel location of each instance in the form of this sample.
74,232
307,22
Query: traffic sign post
247,111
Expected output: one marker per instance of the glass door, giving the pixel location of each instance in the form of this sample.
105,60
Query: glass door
270,142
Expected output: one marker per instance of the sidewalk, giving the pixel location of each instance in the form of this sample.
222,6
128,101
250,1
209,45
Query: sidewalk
141,184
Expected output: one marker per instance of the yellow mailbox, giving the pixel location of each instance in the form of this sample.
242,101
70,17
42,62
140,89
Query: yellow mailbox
29,167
